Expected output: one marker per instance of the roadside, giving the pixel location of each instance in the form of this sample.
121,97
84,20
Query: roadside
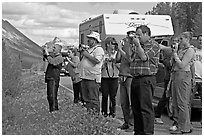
31,115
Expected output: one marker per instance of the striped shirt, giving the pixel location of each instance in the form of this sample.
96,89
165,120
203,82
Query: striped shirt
150,66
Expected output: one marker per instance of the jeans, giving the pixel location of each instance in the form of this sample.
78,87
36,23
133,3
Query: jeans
77,92
162,102
142,89
181,92
125,99
109,87
90,93
52,89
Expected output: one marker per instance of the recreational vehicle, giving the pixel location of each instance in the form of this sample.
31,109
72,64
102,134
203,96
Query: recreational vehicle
117,25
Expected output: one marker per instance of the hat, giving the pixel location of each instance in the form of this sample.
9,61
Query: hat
95,35
130,29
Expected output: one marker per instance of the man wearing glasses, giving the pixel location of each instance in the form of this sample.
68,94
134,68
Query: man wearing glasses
143,67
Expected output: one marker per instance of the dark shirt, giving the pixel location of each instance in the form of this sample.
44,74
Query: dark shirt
54,67
167,63
150,66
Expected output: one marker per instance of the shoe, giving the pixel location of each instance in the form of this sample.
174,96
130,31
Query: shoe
158,121
187,132
104,114
111,114
176,132
173,128
130,129
124,126
181,132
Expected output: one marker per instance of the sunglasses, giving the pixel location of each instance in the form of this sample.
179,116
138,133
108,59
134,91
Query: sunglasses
175,40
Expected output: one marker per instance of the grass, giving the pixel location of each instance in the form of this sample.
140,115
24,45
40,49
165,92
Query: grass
29,115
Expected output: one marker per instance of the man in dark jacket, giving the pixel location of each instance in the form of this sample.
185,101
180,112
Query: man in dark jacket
52,75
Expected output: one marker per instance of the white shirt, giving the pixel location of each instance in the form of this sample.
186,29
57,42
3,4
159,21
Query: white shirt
89,70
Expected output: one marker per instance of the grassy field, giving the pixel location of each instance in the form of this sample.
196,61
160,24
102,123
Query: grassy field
28,113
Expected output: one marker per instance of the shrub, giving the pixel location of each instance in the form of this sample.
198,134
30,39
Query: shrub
11,71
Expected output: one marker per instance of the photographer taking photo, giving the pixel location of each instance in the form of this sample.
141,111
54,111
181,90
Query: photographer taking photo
109,81
52,74
90,73
73,69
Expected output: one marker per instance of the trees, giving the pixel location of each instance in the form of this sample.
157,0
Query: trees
186,16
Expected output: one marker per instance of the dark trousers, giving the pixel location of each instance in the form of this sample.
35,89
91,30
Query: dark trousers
77,92
162,102
125,100
142,89
52,89
90,93
109,87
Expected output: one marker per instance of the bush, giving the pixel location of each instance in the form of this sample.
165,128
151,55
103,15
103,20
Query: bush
11,71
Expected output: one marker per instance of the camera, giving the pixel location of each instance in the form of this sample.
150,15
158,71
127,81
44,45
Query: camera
83,47
174,46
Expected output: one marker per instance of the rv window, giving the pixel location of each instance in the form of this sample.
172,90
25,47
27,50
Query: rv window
100,26
82,38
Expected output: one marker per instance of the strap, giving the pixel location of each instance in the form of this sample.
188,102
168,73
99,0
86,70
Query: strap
186,49
108,71
94,49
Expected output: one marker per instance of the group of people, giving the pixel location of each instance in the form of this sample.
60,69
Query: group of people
130,65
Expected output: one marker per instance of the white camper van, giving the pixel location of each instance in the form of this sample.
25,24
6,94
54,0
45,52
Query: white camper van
117,25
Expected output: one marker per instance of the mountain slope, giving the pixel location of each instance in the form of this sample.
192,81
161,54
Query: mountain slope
19,44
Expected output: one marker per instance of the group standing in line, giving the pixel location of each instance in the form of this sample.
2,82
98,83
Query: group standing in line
131,65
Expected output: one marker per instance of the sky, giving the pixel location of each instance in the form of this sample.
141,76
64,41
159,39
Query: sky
42,21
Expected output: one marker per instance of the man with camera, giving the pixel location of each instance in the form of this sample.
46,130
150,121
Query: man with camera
143,67
52,74
123,56
90,72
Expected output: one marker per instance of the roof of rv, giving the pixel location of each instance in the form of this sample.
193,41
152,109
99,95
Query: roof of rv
158,24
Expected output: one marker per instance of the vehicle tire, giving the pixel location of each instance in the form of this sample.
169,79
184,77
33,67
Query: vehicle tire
170,107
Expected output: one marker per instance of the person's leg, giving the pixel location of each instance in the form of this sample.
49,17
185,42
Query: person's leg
136,106
50,88
124,104
112,92
85,92
93,88
162,102
174,102
80,91
75,90
128,90
104,90
184,92
56,83
147,86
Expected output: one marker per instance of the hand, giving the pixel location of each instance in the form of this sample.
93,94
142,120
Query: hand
46,51
193,82
136,41
67,58
85,53
175,47
120,44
